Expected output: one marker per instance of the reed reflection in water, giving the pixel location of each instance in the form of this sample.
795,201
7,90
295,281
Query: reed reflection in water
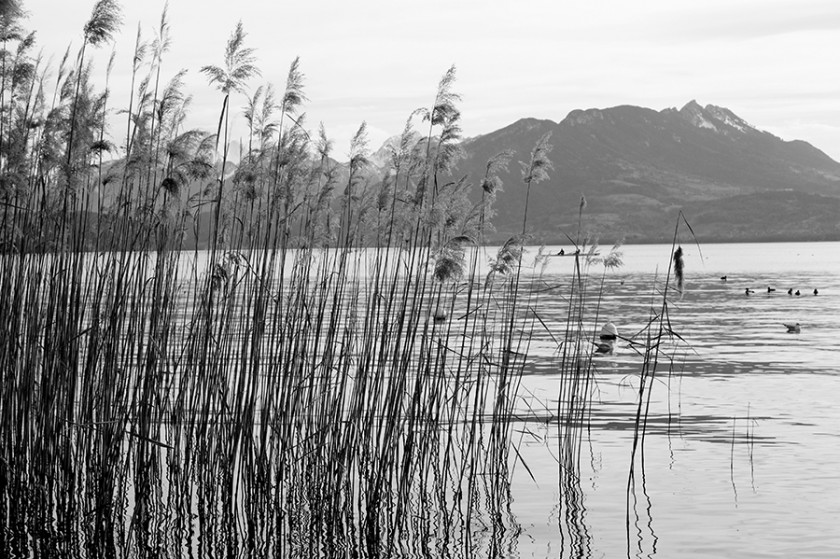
317,411
336,454
740,439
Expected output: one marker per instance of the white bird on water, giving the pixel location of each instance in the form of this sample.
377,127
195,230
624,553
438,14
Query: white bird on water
607,339
793,328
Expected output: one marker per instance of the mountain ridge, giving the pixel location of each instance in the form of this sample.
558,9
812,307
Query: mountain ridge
638,167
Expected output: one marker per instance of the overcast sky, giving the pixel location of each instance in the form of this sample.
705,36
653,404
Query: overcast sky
772,62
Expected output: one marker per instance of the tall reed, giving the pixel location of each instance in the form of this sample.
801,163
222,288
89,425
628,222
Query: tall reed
280,357
290,391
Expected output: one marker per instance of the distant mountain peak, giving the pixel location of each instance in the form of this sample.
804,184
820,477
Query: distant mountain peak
692,105
579,117
698,116
729,118
712,117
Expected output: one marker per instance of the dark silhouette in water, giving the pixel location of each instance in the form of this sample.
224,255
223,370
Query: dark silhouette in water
797,293
605,348
816,292
793,328
723,278
747,291
771,289
790,291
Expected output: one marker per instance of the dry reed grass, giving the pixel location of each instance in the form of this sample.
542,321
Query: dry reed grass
281,393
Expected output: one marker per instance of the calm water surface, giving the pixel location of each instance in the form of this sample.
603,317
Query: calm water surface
742,452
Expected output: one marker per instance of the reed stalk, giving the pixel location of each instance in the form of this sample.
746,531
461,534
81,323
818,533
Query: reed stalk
314,372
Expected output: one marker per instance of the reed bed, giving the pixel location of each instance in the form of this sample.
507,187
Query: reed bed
273,358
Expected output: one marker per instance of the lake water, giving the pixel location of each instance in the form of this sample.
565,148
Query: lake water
742,452
739,458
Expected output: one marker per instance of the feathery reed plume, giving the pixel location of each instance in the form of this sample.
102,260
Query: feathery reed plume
449,262
325,145
614,259
491,183
536,170
239,66
509,254
105,20
358,160
161,106
265,125
359,148
444,108
9,8
293,96
140,48
250,112
445,114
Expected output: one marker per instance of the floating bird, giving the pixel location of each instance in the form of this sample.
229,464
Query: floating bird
771,289
606,339
797,293
723,278
608,332
792,328
790,291
747,291
576,252
816,292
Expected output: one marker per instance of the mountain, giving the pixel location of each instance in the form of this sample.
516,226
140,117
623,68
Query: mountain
637,168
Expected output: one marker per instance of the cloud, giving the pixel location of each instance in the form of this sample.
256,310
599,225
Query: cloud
377,60
748,21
